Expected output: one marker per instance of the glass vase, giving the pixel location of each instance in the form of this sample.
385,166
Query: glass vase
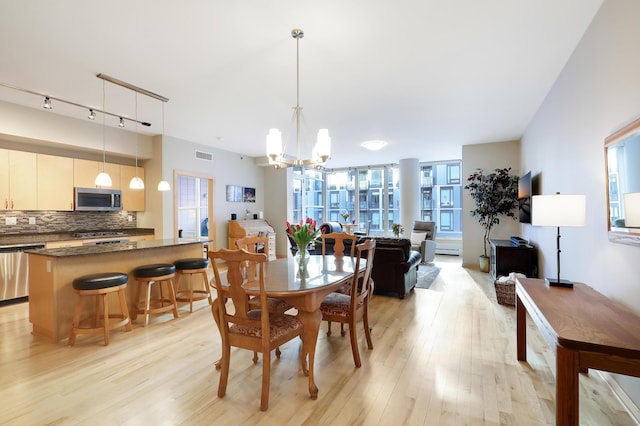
302,258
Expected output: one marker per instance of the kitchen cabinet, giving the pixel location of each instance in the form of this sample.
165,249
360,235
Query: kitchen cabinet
85,172
54,183
64,243
132,199
4,179
18,179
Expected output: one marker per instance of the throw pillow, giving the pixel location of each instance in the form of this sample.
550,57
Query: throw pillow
417,237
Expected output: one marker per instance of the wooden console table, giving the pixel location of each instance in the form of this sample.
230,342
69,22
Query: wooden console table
585,329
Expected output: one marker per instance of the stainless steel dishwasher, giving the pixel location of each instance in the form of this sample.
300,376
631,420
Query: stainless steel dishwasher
14,271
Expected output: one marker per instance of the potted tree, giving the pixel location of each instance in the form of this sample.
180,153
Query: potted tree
495,194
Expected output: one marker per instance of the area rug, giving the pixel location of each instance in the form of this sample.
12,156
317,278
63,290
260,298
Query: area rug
426,275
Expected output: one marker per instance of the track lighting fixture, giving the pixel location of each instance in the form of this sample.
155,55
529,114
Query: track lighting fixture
121,123
92,115
48,101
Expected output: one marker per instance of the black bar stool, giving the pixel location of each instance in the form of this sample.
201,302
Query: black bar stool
192,267
100,286
146,276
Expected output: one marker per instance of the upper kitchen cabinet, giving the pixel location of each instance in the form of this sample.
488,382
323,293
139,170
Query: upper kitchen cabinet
85,172
4,179
132,199
18,187
55,182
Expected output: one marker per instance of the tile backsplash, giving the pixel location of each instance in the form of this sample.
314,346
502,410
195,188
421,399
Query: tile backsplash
54,221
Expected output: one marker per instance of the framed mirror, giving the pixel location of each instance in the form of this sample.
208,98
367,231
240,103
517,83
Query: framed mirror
622,158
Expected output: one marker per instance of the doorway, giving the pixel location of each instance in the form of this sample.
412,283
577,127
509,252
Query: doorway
194,206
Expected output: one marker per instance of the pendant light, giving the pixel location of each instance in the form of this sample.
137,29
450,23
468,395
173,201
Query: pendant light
321,152
136,182
163,185
103,178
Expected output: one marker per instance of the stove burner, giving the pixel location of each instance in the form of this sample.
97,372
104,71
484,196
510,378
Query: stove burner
98,234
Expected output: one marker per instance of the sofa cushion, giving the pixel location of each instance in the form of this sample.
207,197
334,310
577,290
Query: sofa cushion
403,244
328,227
418,237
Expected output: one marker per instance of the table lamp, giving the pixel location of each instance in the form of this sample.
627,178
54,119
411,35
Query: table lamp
558,210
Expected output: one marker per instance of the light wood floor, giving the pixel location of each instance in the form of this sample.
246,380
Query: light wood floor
442,356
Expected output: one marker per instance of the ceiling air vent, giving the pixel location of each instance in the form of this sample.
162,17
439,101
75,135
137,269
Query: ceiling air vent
201,155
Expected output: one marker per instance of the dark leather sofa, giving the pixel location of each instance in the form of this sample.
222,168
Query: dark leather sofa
395,266
329,227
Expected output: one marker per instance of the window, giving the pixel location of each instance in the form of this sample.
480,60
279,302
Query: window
446,220
441,197
376,190
446,196
453,173
334,200
193,206
308,187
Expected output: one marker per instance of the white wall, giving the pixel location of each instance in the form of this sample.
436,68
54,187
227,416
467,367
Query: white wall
488,156
227,168
596,93
278,204
42,127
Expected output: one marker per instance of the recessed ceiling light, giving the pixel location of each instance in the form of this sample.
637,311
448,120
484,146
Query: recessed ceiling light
374,145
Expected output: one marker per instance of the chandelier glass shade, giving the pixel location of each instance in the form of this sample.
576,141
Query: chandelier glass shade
320,153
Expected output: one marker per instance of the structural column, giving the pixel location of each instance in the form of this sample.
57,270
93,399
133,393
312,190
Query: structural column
409,193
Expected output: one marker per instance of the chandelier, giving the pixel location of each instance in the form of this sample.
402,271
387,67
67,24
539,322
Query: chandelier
275,149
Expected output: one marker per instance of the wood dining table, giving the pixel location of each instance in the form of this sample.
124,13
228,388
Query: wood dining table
305,291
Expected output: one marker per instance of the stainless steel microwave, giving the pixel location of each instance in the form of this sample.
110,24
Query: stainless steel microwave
98,199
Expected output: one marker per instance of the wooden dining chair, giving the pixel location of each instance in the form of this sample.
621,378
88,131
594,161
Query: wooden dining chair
338,252
256,244
338,243
257,330
349,308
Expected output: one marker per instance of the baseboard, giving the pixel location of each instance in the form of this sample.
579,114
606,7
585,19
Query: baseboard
449,246
622,396
450,251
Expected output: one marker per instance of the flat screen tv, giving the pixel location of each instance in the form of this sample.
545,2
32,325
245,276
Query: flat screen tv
524,198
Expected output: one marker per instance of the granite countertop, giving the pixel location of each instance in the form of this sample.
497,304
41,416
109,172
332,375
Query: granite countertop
66,236
114,248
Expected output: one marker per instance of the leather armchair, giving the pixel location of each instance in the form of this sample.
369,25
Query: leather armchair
423,239
395,266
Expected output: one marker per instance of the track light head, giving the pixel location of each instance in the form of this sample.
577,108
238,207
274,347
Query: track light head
47,103
121,123
92,115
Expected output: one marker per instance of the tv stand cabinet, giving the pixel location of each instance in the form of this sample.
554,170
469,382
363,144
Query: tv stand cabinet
507,257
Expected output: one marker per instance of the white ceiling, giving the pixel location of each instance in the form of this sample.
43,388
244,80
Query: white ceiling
427,76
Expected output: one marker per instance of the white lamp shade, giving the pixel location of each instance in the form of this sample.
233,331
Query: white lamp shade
103,179
558,210
323,145
136,183
274,143
163,185
631,209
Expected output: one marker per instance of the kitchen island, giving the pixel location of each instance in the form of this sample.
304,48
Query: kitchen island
52,271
